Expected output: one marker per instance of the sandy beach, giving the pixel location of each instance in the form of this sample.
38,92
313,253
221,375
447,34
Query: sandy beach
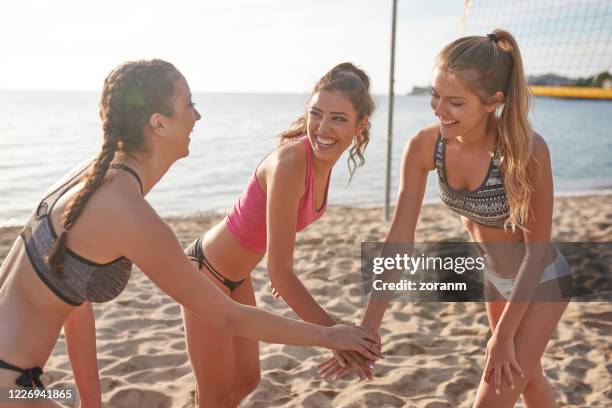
434,351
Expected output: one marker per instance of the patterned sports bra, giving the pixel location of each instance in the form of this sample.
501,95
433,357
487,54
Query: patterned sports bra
487,205
83,280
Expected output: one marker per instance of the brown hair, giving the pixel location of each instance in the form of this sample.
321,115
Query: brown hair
486,65
354,83
132,92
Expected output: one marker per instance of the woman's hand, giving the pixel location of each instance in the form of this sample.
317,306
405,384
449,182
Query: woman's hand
344,362
333,368
80,334
500,360
274,291
363,340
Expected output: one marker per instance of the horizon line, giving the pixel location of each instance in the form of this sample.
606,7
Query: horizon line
193,91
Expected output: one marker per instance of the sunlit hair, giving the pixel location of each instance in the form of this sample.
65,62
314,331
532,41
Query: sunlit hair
354,84
132,92
486,65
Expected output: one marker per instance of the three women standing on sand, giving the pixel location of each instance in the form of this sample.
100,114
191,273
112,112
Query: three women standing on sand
475,78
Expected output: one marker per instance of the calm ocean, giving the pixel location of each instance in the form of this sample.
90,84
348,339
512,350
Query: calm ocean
43,134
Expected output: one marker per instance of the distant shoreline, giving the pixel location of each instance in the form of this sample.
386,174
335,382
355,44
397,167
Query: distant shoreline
220,212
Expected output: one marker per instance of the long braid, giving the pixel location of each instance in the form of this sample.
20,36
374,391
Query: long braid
76,204
92,182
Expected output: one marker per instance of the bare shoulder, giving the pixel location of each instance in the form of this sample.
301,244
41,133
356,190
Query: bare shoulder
145,238
291,155
122,210
540,148
286,164
139,228
422,144
131,210
427,136
540,164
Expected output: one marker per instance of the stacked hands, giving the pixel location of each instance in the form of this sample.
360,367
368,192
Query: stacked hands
355,349
344,362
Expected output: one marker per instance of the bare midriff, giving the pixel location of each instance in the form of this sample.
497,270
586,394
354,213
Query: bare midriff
227,255
506,250
31,316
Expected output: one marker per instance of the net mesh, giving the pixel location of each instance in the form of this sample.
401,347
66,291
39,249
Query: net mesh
564,43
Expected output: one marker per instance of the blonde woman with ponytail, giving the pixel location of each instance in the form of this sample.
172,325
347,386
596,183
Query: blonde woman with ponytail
494,171
80,242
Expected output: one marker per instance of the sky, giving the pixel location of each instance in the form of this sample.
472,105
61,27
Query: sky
222,45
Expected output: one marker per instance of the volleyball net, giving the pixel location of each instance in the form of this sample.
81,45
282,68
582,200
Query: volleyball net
565,44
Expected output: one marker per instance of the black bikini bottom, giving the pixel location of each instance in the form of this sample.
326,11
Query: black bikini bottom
30,377
195,253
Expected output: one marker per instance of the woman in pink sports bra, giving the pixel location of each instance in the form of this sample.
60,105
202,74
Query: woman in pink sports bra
287,192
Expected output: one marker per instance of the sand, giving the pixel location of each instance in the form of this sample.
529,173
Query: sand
434,351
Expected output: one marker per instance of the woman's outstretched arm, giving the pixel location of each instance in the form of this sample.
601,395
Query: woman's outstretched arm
413,179
284,188
149,242
80,333
417,161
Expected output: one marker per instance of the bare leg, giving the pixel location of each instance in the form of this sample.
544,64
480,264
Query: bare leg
531,338
246,351
539,392
212,358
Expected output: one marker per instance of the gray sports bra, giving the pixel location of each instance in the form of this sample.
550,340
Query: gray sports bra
487,205
82,280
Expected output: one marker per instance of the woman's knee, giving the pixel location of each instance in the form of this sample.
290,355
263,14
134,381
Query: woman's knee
536,382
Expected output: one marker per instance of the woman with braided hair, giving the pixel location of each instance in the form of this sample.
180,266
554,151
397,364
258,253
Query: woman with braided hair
80,242
286,193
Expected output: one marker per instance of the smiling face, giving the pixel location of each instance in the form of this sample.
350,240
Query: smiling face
459,110
177,127
332,124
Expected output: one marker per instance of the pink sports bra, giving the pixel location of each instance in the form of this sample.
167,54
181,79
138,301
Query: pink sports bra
247,219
